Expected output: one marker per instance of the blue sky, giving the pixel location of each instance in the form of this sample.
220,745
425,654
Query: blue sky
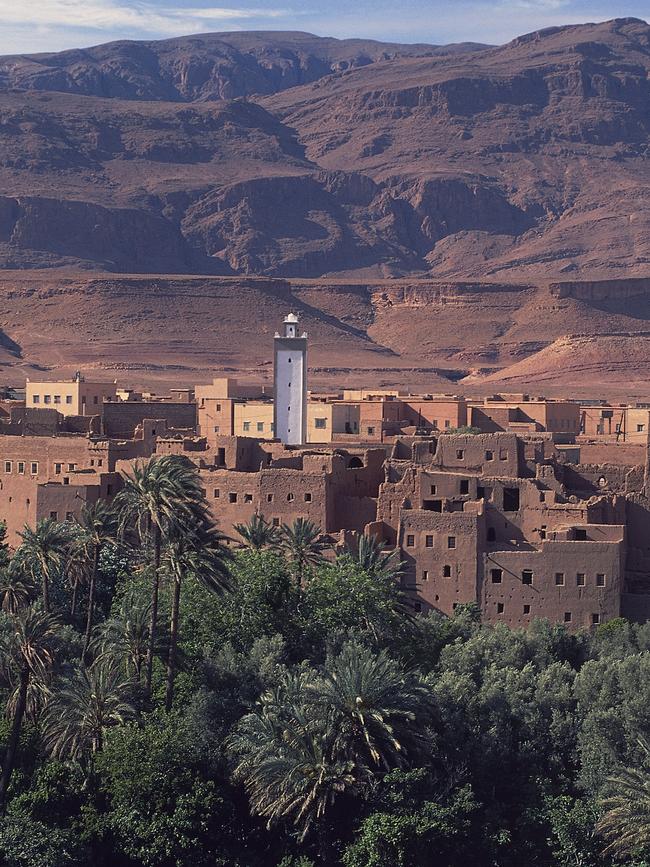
42,25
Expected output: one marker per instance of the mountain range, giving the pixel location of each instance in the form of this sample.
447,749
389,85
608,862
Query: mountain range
418,204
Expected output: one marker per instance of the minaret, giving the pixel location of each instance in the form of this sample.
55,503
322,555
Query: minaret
290,381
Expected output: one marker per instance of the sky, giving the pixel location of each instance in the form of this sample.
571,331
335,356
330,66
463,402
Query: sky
52,25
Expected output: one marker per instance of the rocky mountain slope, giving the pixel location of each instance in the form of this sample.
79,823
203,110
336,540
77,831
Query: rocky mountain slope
424,207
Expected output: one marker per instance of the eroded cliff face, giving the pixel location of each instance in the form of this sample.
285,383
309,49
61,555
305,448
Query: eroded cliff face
289,155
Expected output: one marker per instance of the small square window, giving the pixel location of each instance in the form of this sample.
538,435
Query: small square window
33,468
276,522
451,541
36,398
500,607
246,426
559,579
57,398
526,609
216,428
489,456
595,619
307,497
289,498
371,431
69,516
428,541
581,579
58,468
496,575
320,423
600,580
21,467
460,454
503,454
446,571
47,399
425,575
640,428
248,498
218,407
232,497
7,466
434,489
260,426
54,516
410,541
68,398
72,468
269,498
527,576
216,494
567,617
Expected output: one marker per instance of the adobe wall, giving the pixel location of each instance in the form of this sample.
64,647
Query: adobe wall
120,419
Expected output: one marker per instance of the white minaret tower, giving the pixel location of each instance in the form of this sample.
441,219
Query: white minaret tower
290,381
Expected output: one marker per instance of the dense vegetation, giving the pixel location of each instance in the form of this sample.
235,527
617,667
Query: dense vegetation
169,702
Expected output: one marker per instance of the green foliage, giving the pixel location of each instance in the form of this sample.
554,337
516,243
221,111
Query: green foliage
27,842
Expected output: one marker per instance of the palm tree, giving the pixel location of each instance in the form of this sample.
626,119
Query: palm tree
258,534
98,526
159,499
17,590
374,560
203,556
83,708
317,737
626,821
26,655
124,637
42,553
302,545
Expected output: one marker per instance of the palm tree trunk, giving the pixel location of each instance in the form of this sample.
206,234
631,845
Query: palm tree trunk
91,601
14,739
73,603
173,639
45,582
155,582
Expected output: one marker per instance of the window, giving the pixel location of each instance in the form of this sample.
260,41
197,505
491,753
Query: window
276,522
595,619
542,531
499,607
451,541
447,423
503,454
511,499
57,398
216,494
289,498
66,481
526,609
232,497
559,579
640,428
425,575
58,468
260,426
434,489
68,398
489,455
567,617
600,580
580,579
464,486
446,571
308,497
460,454
54,516
248,498
7,466
21,467
269,498
527,576
246,426
69,516
579,534
371,431
496,575
36,398
47,399
72,468
320,423
218,407
100,462
33,468
410,541
216,428
428,541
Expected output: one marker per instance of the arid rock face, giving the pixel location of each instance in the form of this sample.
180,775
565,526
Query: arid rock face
441,214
